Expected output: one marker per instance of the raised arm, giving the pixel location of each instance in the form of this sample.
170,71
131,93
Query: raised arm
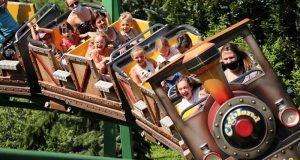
4,2
33,30
46,30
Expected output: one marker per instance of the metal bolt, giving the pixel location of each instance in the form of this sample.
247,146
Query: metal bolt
225,147
229,104
271,130
216,125
283,151
218,137
220,113
247,155
267,142
264,108
234,153
270,118
241,100
275,155
258,151
253,101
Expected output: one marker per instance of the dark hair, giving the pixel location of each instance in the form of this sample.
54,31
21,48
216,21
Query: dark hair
161,42
99,13
241,55
192,81
183,41
65,25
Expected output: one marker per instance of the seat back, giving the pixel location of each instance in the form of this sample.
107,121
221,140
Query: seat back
138,24
21,12
44,63
81,49
83,73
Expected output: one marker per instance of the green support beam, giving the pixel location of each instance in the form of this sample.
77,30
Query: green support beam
113,8
109,139
110,128
126,140
15,154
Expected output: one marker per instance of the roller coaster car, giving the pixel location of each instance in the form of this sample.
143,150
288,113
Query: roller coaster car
81,85
255,119
145,105
16,76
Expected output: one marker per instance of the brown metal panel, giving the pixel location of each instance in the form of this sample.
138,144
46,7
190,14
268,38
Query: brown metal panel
45,63
100,109
159,137
9,81
34,62
15,90
155,128
149,137
130,88
149,97
111,74
81,96
83,73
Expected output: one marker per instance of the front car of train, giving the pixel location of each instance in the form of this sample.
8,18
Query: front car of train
255,119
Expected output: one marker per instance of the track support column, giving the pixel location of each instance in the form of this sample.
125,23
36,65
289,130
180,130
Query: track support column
113,8
126,140
109,139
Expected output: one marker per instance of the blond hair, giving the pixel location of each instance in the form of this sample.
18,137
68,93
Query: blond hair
126,16
137,49
161,43
100,34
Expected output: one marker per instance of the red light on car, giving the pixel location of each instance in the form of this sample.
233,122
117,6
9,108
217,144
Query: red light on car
244,128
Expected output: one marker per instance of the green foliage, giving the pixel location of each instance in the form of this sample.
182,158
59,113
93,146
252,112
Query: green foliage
49,131
12,124
36,131
216,28
161,153
173,12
